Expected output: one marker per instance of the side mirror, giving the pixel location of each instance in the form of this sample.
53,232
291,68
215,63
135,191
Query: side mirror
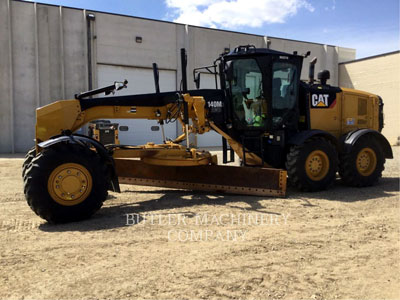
229,70
155,128
120,85
197,80
123,128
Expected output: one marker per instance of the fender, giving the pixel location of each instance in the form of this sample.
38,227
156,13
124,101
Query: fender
83,141
302,136
349,139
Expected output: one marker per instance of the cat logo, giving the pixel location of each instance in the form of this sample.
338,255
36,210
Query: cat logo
320,100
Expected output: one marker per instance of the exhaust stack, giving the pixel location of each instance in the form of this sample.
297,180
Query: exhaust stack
311,70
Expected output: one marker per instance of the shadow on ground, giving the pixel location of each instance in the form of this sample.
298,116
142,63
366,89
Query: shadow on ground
386,187
114,216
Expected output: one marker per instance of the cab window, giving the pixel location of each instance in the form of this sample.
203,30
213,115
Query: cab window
249,105
284,87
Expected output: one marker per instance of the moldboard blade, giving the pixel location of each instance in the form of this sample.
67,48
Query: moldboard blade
227,179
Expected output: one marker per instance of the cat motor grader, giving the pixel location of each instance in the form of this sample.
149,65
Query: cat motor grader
278,125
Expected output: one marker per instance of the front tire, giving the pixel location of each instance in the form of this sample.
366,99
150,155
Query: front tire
363,164
28,159
312,166
66,183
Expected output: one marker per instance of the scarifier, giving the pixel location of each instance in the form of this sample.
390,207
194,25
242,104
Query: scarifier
278,125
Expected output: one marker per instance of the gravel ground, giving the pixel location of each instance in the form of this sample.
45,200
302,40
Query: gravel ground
337,244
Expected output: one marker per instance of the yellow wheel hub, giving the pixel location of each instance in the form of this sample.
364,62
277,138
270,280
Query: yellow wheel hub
366,161
317,165
69,184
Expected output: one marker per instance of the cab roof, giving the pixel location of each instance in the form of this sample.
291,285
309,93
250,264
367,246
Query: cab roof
252,50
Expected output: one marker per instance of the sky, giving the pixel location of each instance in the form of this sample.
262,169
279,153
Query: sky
369,26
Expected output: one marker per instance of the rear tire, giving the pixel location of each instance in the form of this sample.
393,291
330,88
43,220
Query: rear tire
66,183
363,164
312,166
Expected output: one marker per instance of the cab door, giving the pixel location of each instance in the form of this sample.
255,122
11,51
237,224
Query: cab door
285,79
248,104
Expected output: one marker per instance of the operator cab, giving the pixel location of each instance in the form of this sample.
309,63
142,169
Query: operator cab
264,86
262,89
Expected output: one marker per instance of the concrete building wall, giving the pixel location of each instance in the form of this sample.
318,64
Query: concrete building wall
6,91
24,77
43,59
327,56
345,54
45,54
116,43
379,75
207,44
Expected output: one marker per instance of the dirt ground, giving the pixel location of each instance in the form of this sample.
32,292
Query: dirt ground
337,244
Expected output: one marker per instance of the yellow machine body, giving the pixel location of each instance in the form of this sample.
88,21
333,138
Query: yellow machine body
353,109
67,116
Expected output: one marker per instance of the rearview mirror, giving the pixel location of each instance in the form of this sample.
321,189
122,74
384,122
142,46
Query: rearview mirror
197,80
229,70
120,85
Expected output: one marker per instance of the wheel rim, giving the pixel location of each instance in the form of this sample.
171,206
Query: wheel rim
69,184
366,161
317,165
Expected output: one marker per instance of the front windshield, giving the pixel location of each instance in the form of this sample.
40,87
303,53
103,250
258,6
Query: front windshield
249,105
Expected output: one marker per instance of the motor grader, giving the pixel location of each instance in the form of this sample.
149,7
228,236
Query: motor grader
280,127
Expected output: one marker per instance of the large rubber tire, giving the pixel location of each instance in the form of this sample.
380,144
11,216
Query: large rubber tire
37,184
28,159
351,164
300,155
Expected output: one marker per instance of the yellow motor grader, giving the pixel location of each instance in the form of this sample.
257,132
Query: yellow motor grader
279,126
